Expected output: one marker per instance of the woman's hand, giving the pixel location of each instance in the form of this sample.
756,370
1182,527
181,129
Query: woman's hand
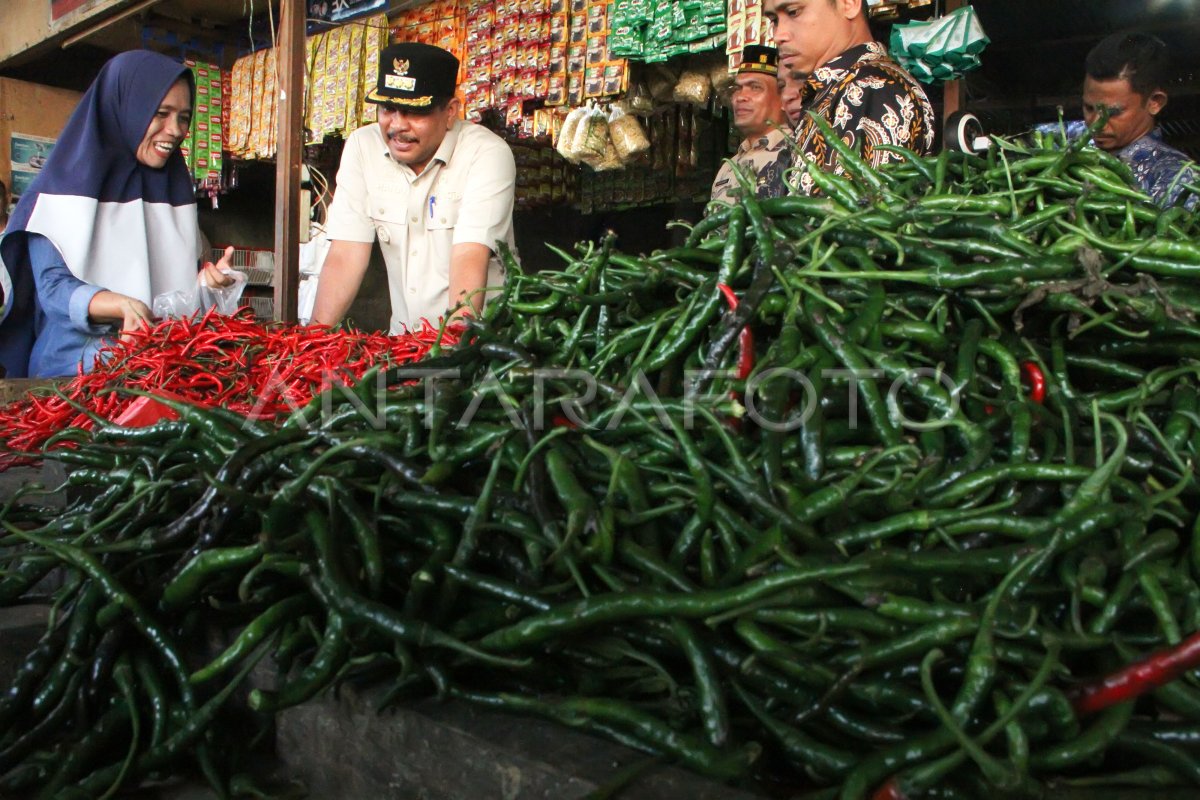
118,309
217,275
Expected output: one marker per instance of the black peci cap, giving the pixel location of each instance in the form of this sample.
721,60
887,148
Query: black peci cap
760,58
413,74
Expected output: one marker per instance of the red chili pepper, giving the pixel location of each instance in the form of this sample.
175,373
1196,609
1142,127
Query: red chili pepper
1134,680
1037,385
1037,381
745,361
236,362
889,790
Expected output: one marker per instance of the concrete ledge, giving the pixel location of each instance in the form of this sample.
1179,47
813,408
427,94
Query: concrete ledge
343,750
49,474
16,388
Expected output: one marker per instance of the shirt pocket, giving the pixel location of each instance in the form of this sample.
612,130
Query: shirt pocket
443,211
387,205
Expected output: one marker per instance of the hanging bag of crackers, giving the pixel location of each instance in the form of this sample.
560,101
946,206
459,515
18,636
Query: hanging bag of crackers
591,140
566,134
694,87
628,137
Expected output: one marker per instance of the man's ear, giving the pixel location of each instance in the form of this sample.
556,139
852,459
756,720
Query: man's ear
1156,102
851,9
454,109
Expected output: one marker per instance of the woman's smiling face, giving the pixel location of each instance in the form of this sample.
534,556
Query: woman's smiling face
168,127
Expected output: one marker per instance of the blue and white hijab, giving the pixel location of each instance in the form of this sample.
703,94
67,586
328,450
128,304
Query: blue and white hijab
119,224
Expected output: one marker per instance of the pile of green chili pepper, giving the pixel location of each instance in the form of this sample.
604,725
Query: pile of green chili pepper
931,532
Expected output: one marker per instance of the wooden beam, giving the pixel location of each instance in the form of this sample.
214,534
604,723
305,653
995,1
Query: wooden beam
952,94
106,22
290,54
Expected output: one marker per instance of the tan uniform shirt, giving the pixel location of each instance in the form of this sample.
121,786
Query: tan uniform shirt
464,194
764,159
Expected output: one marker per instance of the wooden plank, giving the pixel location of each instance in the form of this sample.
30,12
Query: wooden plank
27,31
290,52
32,109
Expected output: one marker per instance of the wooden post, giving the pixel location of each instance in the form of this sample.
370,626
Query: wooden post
952,95
289,156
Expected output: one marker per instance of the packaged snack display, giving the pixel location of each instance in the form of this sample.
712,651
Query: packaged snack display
342,65
746,25
549,75
522,55
649,31
206,138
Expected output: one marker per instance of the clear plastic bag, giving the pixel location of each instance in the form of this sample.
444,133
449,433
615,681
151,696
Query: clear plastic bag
660,82
177,305
306,298
694,87
628,137
566,135
591,137
721,78
639,99
610,160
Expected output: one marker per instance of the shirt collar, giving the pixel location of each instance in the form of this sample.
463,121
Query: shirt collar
835,68
446,149
772,135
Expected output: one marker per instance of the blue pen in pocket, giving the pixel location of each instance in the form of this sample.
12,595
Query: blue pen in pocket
432,203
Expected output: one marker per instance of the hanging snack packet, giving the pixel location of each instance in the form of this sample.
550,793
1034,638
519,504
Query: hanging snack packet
628,137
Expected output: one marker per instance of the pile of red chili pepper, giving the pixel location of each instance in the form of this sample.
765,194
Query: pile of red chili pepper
928,530
262,371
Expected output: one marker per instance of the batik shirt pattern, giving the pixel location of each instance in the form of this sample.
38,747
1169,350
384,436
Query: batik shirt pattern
1162,171
764,160
869,100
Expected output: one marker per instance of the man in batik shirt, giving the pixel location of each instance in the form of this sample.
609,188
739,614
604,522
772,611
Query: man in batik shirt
851,82
1126,74
763,154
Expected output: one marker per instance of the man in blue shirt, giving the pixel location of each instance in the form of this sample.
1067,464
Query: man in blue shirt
1126,74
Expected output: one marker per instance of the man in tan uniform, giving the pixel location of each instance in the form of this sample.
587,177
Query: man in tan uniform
434,191
758,116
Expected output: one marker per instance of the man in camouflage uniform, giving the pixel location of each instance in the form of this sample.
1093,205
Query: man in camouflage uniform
764,153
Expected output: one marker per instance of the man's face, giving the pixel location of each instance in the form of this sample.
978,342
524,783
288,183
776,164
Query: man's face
1130,115
809,33
791,93
756,106
413,137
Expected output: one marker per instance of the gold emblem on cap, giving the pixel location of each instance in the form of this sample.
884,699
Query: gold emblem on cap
400,66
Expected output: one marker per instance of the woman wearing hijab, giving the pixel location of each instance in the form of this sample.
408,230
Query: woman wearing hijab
108,224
